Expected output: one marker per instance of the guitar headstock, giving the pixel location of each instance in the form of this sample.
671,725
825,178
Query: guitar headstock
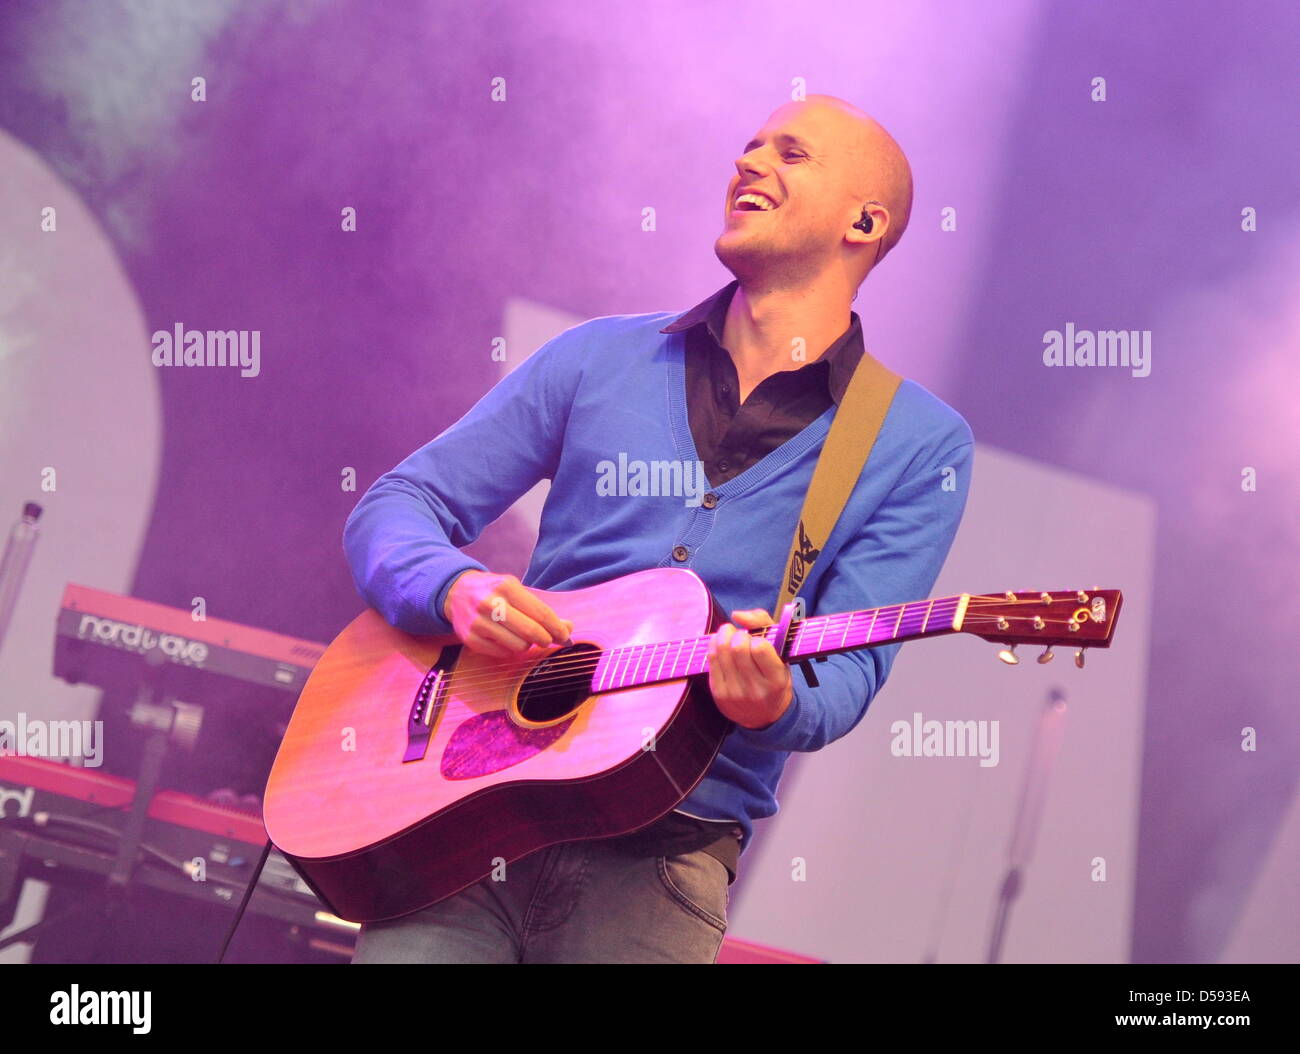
1077,618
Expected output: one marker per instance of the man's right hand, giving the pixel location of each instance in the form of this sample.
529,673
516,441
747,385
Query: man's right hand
496,615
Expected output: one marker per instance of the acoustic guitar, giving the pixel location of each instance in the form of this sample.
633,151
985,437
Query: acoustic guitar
412,766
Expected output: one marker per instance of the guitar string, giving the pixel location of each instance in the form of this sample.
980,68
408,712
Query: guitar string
565,668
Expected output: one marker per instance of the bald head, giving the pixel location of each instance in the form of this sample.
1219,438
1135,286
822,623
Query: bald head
879,168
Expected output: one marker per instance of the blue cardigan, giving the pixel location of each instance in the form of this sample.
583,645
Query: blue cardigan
616,386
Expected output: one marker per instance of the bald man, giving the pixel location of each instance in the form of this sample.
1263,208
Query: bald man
744,386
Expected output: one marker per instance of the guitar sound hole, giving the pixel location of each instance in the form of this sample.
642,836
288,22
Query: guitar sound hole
558,684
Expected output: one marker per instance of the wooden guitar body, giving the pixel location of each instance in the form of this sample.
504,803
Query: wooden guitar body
517,756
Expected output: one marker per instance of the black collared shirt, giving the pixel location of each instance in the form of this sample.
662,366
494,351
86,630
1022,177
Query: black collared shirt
729,438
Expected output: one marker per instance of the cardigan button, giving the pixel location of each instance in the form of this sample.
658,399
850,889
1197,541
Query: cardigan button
680,553
710,500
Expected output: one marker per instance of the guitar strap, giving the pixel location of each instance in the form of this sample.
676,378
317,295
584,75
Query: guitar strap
853,433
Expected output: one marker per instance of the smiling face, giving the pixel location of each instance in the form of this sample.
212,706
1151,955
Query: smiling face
808,171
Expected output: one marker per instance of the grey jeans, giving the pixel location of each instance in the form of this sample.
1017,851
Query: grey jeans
578,902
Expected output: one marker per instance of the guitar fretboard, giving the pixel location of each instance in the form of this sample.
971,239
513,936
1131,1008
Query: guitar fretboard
638,664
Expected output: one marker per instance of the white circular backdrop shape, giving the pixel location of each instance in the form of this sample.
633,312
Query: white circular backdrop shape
78,395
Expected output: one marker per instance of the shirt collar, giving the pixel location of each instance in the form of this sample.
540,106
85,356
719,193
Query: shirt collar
841,358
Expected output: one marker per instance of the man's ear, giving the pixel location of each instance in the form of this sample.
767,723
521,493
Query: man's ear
872,224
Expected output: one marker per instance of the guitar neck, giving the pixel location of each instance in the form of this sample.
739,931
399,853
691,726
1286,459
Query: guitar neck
638,664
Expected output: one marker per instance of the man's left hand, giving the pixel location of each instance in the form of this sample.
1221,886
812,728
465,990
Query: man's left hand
749,682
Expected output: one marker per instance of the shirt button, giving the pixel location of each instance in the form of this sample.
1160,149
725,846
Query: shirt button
710,500
680,553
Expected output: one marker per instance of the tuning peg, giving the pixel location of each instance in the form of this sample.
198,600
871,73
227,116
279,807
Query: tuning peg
1078,658
1008,655
1046,657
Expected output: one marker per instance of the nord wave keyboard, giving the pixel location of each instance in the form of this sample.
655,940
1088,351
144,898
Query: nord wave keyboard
113,641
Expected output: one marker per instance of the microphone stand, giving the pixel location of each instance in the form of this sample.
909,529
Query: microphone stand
14,563
1033,796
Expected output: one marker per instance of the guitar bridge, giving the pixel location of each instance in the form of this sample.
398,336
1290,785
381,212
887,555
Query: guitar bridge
428,703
